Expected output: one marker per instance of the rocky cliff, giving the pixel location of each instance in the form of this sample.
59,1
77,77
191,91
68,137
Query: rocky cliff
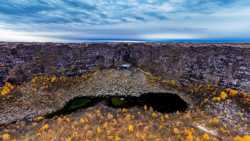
225,65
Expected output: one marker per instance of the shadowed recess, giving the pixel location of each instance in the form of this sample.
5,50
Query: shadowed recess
160,102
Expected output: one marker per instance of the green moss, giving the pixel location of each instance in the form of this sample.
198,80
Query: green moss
78,103
117,102
75,104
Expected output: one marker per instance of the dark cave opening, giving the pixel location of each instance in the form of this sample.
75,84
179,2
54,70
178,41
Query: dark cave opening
165,103
160,102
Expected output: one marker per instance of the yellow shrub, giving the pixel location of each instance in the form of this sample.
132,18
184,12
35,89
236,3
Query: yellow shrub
45,127
69,139
130,128
6,137
6,89
244,138
117,138
205,137
216,99
232,92
39,118
189,136
223,95
214,121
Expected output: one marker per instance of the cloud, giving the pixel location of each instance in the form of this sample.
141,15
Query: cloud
71,20
9,35
168,36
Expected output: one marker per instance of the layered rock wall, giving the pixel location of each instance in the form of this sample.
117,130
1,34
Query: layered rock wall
225,65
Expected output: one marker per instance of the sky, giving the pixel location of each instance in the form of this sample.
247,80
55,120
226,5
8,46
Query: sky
80,20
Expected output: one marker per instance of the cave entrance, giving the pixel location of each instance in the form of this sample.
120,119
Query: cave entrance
160,102
165,103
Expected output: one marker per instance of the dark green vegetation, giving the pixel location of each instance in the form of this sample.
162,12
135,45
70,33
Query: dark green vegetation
75,104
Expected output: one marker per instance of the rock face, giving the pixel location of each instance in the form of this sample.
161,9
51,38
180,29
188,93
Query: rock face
226,65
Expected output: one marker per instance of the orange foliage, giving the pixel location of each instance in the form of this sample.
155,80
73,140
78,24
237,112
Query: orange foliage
6,89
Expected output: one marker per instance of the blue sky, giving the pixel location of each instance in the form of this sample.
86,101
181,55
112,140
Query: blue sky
79,20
